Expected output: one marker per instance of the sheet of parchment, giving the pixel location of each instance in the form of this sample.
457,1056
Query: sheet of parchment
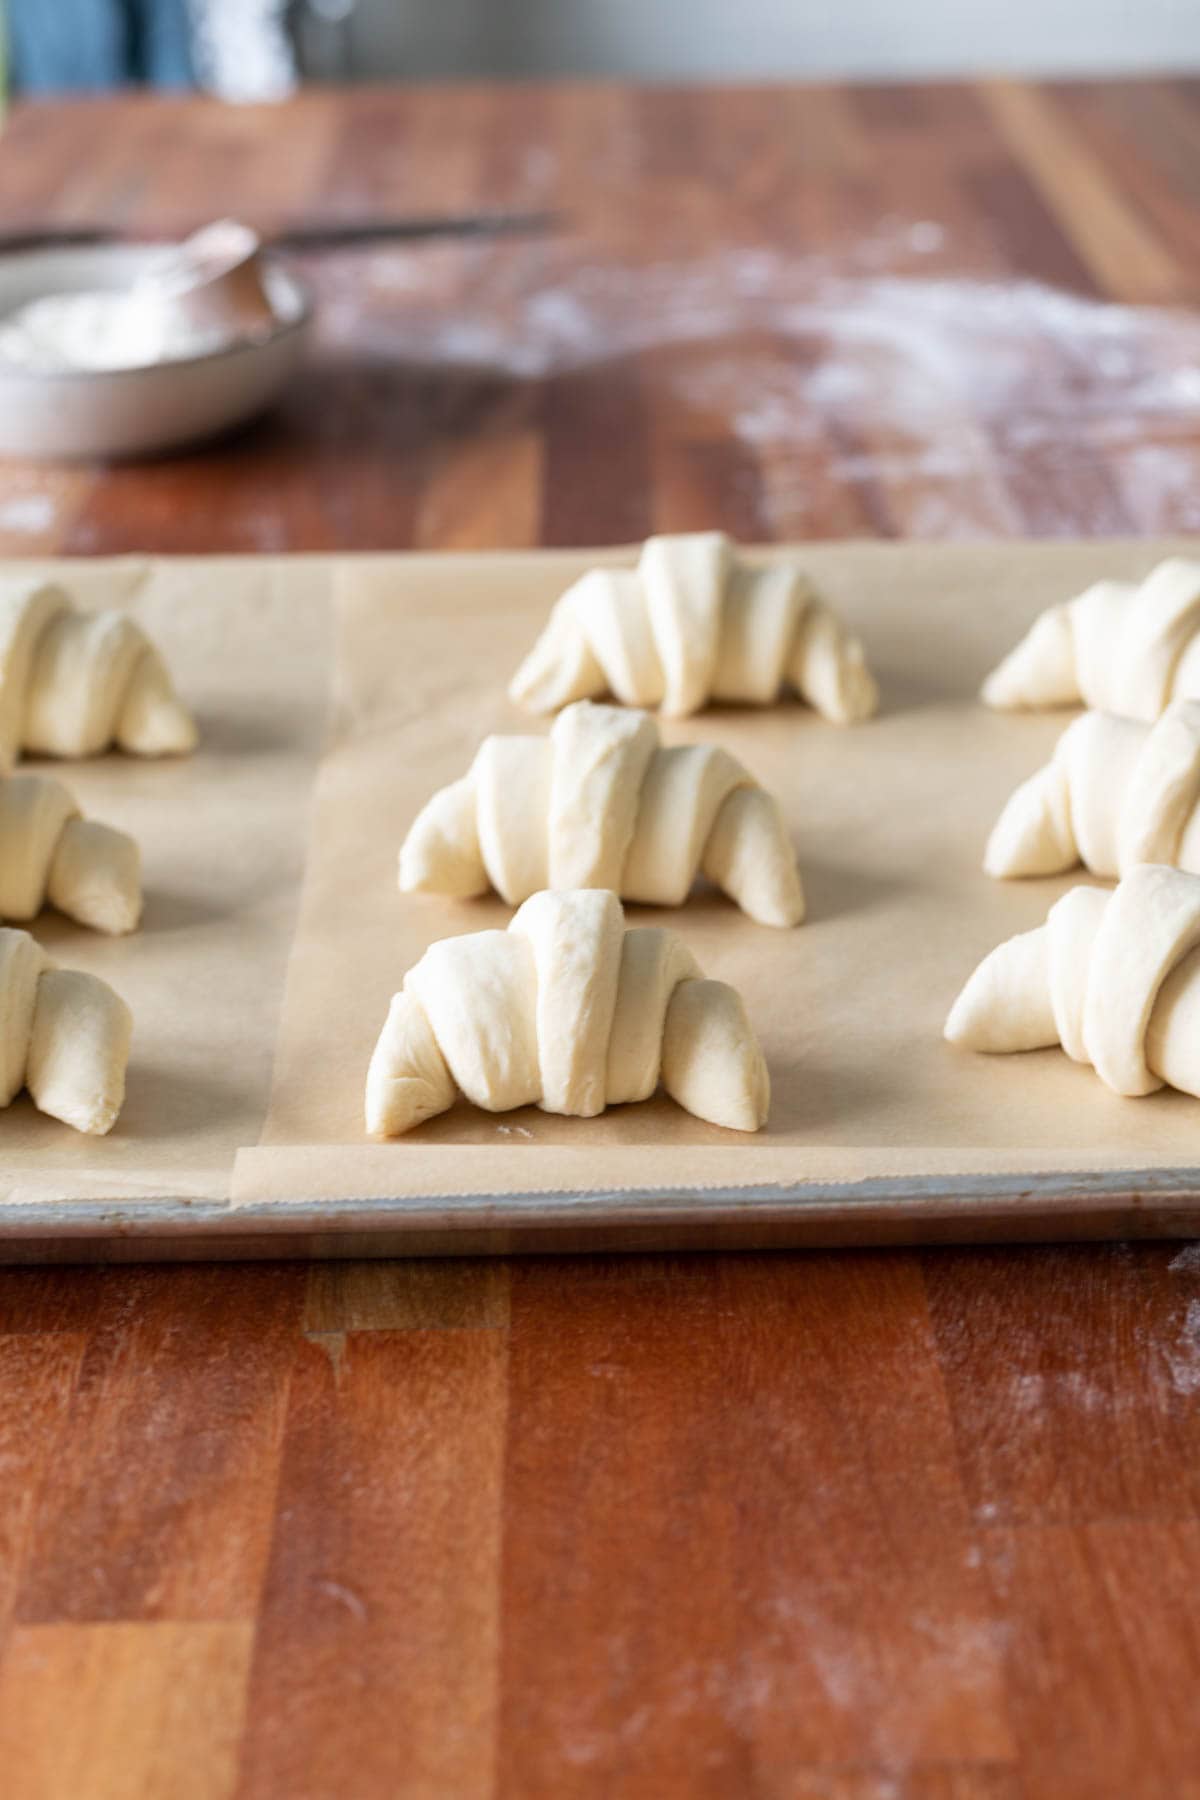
274,933
890,819
223,837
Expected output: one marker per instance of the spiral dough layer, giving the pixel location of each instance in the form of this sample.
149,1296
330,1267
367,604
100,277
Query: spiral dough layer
72,683
692,624
64,1035
1112,977
48,853
1126,648
570,1011
600,803
1115,793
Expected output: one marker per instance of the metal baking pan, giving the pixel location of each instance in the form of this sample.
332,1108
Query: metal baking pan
975,1209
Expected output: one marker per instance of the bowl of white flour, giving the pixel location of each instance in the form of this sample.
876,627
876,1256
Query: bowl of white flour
93,364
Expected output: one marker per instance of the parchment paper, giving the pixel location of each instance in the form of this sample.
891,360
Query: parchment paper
254,1025
223,837
890,819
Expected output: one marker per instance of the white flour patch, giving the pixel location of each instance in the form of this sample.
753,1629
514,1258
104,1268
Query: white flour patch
1183,1356
1072,1388
953,1656
267,535
1028,1392
960,334
1088,1396
926,237
946,1660
1163,482
31,513
940,389
1186,1261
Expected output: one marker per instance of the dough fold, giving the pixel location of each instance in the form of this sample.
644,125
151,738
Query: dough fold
72,683
1123,647
568,1010
49,853
600,803
1112,977
692,624
64,1036
1116,792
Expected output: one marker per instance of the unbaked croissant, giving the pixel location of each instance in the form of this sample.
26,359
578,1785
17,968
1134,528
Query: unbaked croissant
1127,648
1115,793
600,803
72,683
64,1035
692,624
49,853
1112,976
570,1011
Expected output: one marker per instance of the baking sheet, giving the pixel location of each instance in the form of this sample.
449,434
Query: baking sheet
223,836
275,936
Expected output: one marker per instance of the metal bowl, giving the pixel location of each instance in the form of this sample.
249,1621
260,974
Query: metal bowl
69,413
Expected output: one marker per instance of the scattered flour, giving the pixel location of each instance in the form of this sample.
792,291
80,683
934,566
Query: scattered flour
1028,1392
1087,1395
1183,1356
31,513
926,237
1065,1387
345,1597
968,400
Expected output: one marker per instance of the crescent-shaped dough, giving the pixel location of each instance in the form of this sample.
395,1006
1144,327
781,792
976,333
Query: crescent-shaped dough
72,683
568,1010
1115,793
49,853
600,803
64,1035
1124,647
1112,977
692,624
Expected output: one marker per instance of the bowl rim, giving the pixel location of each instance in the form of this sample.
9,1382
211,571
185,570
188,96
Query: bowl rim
10,372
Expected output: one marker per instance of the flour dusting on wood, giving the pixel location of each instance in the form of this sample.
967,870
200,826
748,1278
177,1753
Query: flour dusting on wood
967,403
1183,1354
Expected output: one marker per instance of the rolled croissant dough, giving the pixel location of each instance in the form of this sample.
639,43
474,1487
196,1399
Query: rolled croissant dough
1112,977
1125,647
72,683
568,1010
601,803
1116,793
64,1035
692,623
89,871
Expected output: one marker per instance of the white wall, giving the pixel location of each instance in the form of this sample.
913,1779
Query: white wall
751,39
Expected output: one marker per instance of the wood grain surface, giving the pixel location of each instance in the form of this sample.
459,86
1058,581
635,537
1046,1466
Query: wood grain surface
811,1527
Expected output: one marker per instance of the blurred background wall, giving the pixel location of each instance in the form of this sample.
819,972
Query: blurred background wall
252,49
755,39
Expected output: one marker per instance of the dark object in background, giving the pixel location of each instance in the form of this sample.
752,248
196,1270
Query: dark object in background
332,234
60,46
